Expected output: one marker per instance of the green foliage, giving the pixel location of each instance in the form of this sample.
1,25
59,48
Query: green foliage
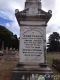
54,42
8,38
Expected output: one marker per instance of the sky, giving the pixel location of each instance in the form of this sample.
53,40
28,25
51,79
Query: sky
7,15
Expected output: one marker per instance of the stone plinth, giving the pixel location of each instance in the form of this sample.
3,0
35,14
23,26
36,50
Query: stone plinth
25,73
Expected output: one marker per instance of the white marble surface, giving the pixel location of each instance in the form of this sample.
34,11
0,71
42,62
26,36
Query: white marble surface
32,44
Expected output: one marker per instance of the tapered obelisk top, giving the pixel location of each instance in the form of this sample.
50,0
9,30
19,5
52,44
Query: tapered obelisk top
33,0
33,9
29,3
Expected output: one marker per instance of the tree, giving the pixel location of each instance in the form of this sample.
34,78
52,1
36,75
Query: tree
54,42
7,37
15,42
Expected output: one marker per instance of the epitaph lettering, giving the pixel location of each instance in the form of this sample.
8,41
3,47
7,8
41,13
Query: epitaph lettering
32,45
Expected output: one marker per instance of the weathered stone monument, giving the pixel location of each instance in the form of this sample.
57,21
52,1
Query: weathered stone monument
32,51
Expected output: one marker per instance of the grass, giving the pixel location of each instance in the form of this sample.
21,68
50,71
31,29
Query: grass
50,57
8,62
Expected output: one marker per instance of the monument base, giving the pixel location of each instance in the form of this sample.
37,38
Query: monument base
27,72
